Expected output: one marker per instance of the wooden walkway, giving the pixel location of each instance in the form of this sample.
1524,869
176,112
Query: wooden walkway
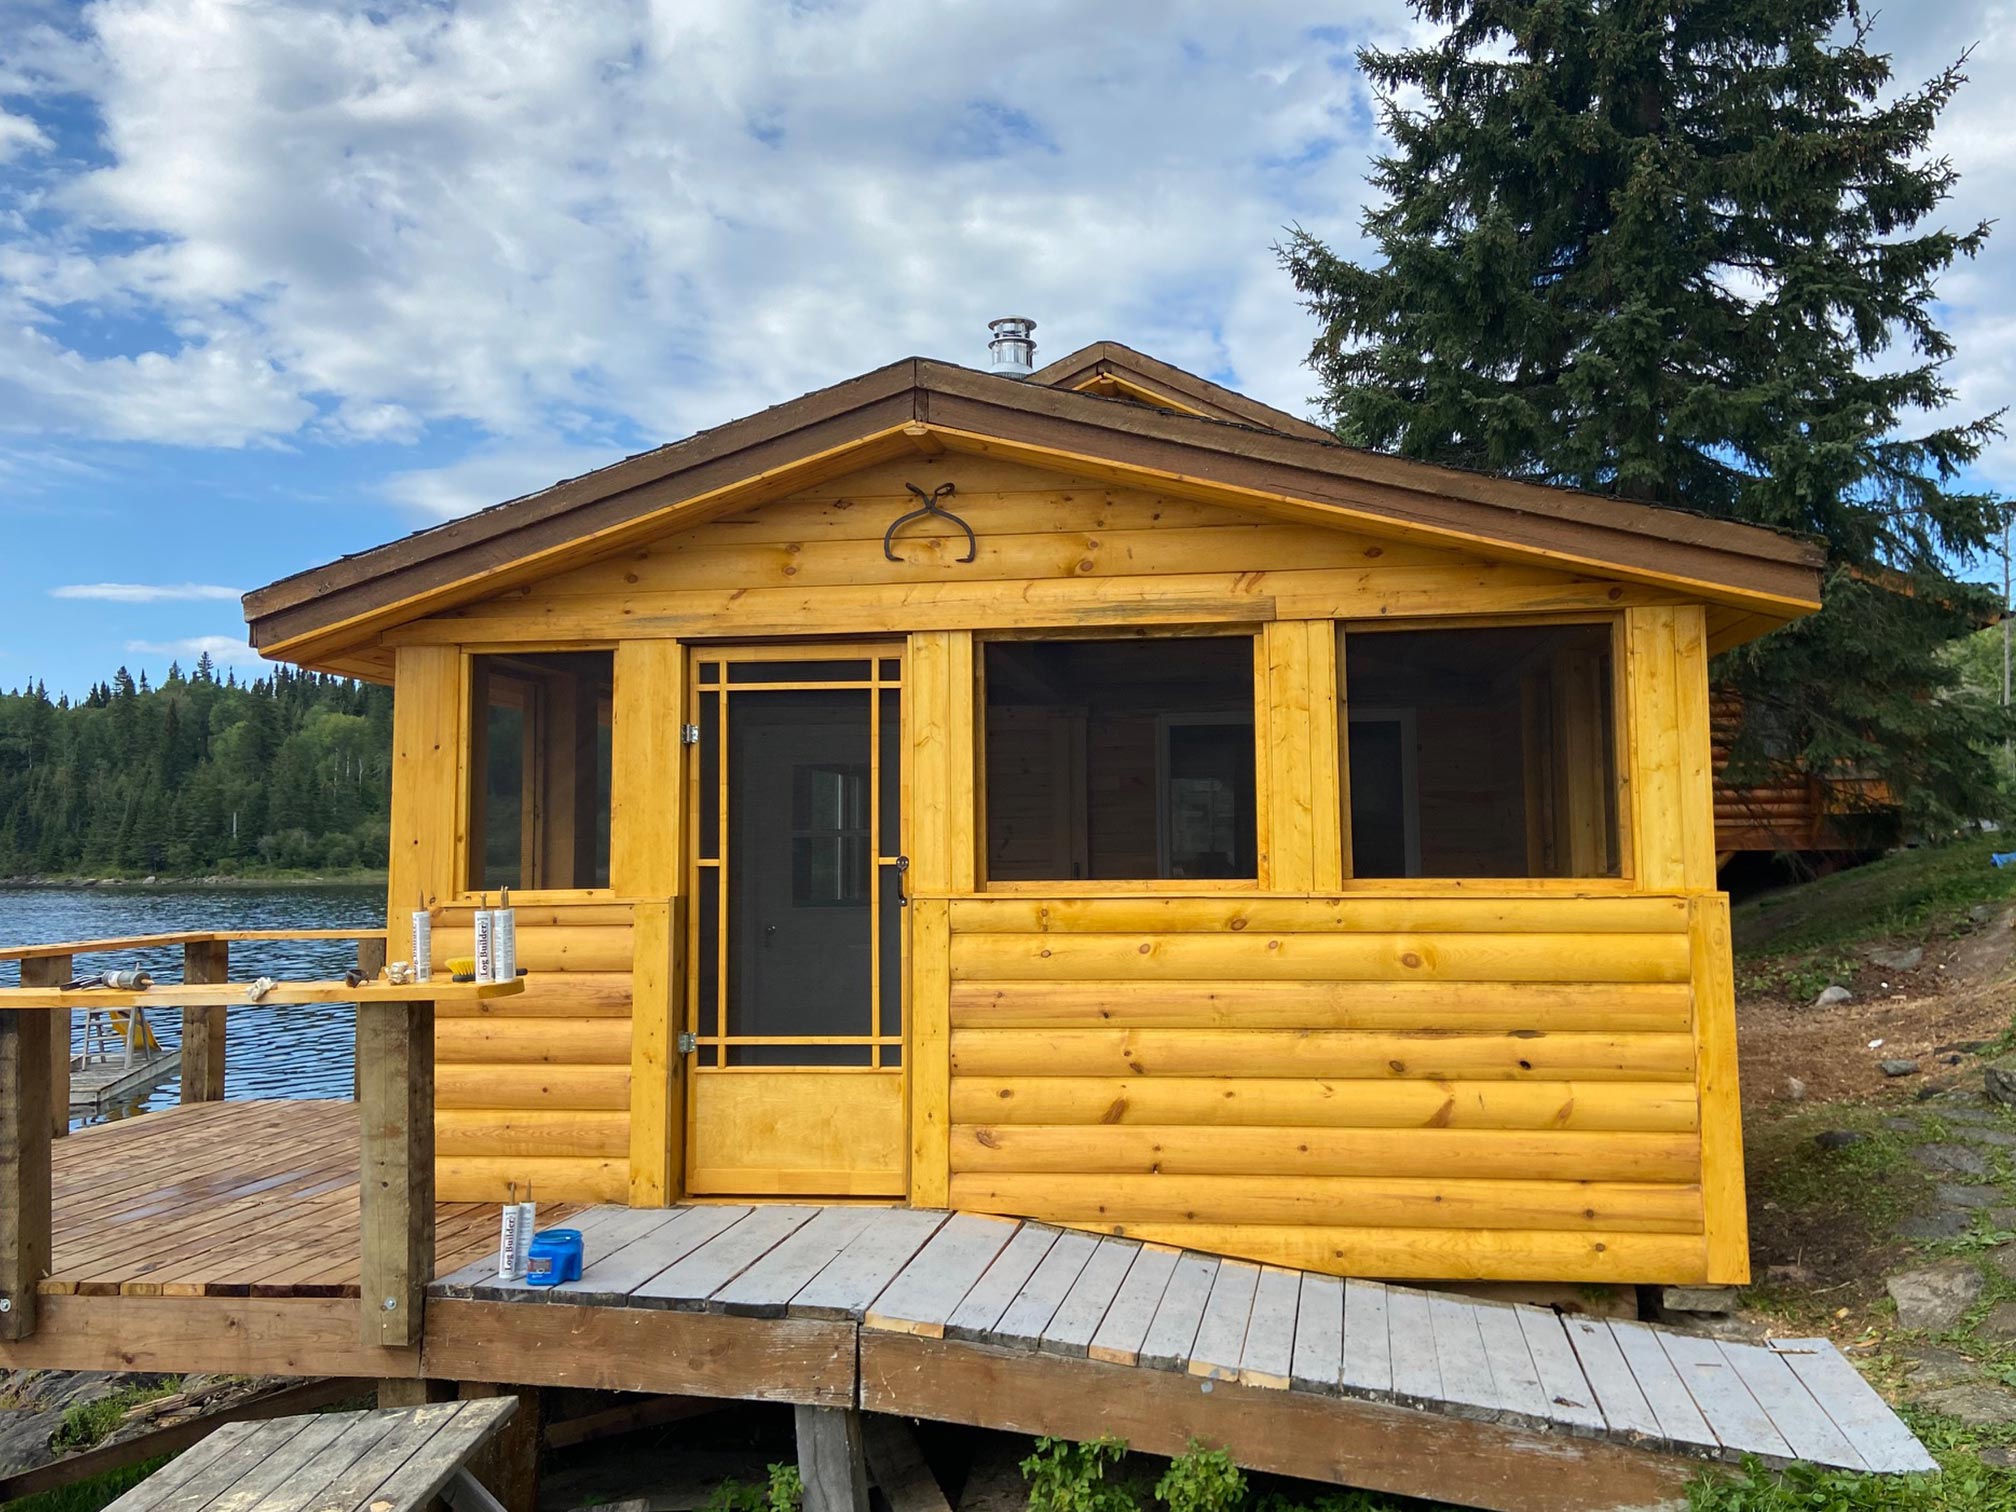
242,1199
1027,1287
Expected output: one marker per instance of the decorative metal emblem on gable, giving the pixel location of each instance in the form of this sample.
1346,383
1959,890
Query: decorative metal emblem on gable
931,509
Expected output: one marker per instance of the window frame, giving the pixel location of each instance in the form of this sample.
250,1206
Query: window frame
983,885
467,842
1625,879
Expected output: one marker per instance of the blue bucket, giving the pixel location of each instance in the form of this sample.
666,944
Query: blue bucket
556,1257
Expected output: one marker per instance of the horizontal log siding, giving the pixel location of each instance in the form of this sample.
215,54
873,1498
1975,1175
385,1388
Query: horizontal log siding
1433,1087
537,1088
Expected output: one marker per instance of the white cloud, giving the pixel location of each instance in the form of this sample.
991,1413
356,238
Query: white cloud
491,475
145,593
222,649
18,135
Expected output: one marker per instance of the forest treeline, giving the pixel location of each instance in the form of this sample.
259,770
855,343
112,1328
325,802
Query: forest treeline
200,775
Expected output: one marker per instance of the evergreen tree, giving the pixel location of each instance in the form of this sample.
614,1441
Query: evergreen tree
1684,252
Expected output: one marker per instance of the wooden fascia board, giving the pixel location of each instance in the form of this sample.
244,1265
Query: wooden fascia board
323,626
1720,560
1124,387
1478,529
1153,376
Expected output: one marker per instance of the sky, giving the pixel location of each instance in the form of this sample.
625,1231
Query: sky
281,280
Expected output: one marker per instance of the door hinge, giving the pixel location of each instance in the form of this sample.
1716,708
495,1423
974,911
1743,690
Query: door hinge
688,1042
689,734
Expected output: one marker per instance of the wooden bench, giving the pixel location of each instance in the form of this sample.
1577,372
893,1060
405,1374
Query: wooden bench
392,1460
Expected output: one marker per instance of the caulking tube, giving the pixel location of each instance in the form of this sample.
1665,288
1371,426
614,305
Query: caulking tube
504,939
511,1241
528,1222
486,945
423,943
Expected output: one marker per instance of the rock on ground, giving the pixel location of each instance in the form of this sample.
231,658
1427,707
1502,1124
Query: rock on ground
1933,1299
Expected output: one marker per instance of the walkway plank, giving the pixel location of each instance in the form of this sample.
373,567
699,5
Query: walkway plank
1319,1334
1623,1405
366,1431
1221,1337
982,1307
765,1289
608,1280
1125,1327
1417,1374
859,1274
1022,1325
1514,1377
1180,1313
927,1291
1881,1439
1459,1356
1732,1413
1366,1368
686,1284
1566,1394
1269,1356
1078,1316
1800,1420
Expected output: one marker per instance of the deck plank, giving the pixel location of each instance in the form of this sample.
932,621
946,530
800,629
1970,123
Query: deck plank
1180,1313
1853,1405
1732,1413
1221,1337
981,1308
608,1281
1417,1374
1679,1415
1269,1355
685,1285
1366,1368
1467,1381
1566,1395
927,1291
1078,1316
765,1289
1022,1325
366,1430
1125,1327
1319,1334
1514,1376
1800,1420
404,1437
873,1258
275,1465
433,1464
167,1483
1618,1396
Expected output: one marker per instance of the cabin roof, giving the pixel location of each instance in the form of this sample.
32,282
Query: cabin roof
1225,448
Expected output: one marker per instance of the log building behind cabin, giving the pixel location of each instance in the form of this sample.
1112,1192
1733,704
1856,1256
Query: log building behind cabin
1097,798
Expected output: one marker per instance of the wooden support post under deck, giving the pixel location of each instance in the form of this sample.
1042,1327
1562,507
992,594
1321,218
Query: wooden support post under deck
370,963
831,1460
25,1191
54,971
203,1028
508,1466
395,1073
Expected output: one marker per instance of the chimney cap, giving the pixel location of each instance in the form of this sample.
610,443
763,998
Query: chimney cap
1011,350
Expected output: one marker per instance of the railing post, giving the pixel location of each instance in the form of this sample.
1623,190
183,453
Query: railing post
203,1028
395,1097
26,1215
54,971
370,962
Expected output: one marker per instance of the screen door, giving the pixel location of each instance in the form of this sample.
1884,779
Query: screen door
795,977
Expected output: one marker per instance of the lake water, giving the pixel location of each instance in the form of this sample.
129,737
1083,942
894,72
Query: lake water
271,1052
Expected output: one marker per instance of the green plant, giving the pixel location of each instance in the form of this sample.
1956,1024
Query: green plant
1064,1476
1964,1485
90,1494
1201,1480
737,1496
786,1491
86,1423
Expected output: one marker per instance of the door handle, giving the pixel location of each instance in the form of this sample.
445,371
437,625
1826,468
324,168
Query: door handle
902,865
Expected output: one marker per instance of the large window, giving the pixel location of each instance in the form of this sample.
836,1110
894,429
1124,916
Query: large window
1481,753
1120,760
539,770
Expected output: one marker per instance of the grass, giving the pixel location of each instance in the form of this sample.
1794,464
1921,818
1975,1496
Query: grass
87,1423
88,1495
1913,893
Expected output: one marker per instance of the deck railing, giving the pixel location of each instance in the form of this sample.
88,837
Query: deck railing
395,1095
206,958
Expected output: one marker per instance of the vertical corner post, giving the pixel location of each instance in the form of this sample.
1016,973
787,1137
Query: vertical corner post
203,1028
831,1460
395,1086
54,971
26,1201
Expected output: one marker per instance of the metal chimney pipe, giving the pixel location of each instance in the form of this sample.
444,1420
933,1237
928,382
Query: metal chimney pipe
1011,350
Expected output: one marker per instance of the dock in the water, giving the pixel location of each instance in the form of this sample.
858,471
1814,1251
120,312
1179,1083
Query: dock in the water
100,1084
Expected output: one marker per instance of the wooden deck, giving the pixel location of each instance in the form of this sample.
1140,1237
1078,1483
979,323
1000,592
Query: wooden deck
243,1199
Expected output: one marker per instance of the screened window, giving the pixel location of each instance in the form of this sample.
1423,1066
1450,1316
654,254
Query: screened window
1120,760
1481,753
539,765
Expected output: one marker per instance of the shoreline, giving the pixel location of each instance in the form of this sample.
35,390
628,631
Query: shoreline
169,884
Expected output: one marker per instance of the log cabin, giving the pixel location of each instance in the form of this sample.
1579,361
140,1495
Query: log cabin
1084,794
